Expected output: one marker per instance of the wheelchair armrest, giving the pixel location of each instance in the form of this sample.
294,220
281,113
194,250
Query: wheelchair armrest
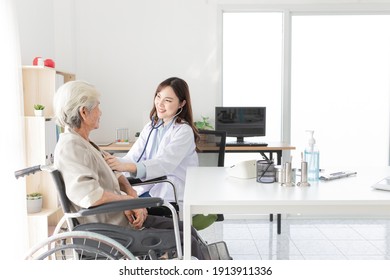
163,179
122,205
136,181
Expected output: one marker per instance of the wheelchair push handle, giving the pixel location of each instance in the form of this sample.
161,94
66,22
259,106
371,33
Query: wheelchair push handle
27,171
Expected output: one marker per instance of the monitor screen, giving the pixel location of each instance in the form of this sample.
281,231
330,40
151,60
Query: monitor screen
241,122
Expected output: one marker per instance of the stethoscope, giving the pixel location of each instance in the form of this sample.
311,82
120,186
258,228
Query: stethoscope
155,124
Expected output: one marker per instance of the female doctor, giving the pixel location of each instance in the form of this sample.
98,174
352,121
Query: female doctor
166,145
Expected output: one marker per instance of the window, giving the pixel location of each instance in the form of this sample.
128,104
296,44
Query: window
340,77
252,64
340,87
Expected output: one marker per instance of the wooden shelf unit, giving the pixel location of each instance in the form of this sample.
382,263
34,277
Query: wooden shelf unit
39,86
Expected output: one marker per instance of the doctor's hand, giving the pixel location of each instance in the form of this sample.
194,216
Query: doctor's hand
116,165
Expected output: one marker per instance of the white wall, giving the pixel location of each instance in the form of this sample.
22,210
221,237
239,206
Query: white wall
127,47
36,29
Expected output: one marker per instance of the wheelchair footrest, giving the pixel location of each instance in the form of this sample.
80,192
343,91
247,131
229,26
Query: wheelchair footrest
219,251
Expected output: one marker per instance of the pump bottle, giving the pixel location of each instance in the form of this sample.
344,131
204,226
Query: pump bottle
312,157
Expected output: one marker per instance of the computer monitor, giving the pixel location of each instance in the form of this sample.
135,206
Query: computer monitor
241,122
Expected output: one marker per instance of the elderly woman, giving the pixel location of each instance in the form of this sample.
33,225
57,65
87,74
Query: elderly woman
88,179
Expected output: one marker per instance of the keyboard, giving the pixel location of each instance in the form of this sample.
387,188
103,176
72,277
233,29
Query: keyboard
252,144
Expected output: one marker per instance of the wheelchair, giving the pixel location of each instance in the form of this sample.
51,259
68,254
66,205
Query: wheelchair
72,240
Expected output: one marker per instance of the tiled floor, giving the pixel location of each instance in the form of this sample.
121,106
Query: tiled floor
304,239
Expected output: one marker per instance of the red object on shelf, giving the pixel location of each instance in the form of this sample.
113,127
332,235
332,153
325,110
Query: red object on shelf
35,61
50,63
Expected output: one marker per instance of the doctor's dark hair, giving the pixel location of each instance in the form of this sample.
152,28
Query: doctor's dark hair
68,100
182,91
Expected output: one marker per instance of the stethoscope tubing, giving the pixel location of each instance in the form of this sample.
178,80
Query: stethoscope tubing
153,127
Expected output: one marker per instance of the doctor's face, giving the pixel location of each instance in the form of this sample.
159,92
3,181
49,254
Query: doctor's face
167,104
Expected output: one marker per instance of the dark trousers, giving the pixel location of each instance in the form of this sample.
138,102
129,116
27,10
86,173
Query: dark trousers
198,247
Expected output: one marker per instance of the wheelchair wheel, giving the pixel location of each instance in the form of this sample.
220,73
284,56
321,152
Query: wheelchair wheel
79,245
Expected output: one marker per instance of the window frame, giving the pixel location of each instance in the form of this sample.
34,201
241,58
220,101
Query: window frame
288,11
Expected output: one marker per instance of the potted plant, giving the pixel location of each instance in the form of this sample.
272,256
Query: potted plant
34,202
136,135
204,124
38,110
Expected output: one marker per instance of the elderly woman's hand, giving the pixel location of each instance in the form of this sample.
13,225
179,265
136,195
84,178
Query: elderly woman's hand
137,217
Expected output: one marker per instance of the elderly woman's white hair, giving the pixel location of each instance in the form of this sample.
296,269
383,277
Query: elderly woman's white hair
68,100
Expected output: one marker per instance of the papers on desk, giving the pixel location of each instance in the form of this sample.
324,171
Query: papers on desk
337,175
383,184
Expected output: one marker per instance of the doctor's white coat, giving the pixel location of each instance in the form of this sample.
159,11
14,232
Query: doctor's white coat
176,152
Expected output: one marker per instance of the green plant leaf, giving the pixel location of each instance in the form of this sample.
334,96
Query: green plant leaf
34,195
204,124
39,107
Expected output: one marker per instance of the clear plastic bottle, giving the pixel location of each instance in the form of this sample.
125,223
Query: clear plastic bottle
312,157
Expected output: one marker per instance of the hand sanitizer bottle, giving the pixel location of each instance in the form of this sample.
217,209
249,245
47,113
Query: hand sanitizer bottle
312,157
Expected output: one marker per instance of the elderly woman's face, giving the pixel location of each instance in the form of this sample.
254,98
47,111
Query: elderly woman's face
92,118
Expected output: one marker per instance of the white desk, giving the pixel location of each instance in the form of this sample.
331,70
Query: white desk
211,190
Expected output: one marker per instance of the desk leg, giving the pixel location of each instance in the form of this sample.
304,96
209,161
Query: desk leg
271,216
279,157
279,162
279,223
279,216
187,222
